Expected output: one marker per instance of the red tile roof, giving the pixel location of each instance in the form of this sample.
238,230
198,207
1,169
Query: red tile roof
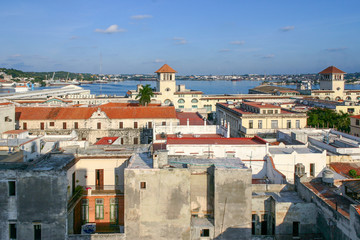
118,104
331,69
5,103
158,136
343,168
14,131
106,141
219,141
63,113
356,116
165,69
194,118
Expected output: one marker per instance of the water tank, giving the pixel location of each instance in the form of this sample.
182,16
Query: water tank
328,177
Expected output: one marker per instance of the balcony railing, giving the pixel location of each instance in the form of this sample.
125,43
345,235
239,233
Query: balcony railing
76,197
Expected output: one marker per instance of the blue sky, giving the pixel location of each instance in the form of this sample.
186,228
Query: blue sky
192,36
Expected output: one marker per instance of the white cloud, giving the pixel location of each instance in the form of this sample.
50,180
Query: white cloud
112,29
287,28
141,17
237,42
179,40
268,56
224,50
340,49
159,61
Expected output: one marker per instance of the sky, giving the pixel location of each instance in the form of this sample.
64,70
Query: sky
192,36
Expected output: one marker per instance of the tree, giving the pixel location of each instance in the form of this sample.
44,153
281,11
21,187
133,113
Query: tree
327,118
144,95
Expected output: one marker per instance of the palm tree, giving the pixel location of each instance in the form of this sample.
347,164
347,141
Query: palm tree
144,95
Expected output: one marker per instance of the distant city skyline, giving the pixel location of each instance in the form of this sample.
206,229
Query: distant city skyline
194,37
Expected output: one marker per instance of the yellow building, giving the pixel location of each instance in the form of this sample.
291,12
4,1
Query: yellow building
255,118
355,125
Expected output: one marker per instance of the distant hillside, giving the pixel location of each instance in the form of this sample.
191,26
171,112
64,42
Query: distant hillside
40,76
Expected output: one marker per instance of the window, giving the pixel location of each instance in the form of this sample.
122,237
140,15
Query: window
312,169
142,185
163,123
204,233
181,106
150,125
208,108
122,141
264,111
276,111
270,111
167,89
296,226
297,123
351,110
251,124
12,188
33,148
194,100
76,125
7,119
121,125
52,124
274,124
42,126
114,206
135,124
99,208
181,100
194,95
288,123
194,106
37,232
64,125
181,95
98,125
99,179
12,230
167,101
85,210
260,124
136,140
25,126
357,122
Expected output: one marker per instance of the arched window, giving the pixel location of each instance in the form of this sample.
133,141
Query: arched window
181,100
338,98
194,100
327,98
167,102
358,98
348,98
167,89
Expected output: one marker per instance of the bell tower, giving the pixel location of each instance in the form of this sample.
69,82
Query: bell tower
332,79
166,84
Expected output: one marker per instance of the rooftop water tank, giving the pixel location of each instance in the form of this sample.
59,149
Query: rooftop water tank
328,177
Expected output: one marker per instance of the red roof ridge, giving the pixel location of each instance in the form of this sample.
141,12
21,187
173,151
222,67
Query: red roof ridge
165,69
331,69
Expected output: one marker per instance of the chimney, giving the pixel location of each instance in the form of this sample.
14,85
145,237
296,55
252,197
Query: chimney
160,158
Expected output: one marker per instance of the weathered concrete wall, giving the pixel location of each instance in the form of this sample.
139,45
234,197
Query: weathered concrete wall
355,222
263,205
232,201
287,212
201,196
118,236
40,199
332,224
7,117
162,210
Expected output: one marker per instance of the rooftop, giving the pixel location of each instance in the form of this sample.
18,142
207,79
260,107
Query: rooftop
282,196
343,168
14,131
331,69
165,69
261,105
106,141
194,118
219,141
300,150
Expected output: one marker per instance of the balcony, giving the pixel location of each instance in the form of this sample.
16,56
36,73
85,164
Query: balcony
75,198
104,189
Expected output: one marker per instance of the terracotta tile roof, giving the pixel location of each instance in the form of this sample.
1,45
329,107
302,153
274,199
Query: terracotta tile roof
356,116
165,69
343,168
118,104
219,141
63,113
331,69
14,131
159,137
106,141
194,118
330,197
5,103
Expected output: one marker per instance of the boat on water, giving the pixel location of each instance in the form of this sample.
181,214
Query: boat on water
63,83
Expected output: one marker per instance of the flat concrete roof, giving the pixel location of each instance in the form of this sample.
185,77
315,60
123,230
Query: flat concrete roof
301,150
284,196
206,162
